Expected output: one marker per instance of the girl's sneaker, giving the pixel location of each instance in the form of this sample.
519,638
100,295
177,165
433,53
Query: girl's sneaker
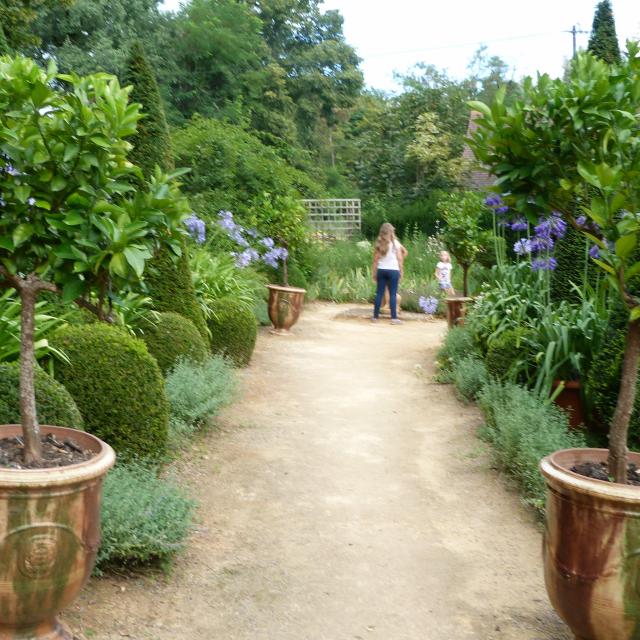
396,321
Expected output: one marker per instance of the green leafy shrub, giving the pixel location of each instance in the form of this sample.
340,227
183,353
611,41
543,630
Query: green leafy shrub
171,287
509,354
233,329
117,386
523,429
54,404
174,337
457,345
470,377
145,518
197,391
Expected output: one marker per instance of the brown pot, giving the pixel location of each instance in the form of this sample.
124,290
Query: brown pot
456,310
570,400
285,305
592,548
49,537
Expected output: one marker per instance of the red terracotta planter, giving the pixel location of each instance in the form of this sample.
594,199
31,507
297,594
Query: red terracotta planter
592,548
285,306
49,537
456,310
570,400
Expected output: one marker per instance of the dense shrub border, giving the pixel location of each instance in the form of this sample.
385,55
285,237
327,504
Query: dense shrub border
234,330
521,427
54,403
174,337
117,386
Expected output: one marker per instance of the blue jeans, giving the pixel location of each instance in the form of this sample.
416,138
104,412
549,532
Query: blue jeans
387,278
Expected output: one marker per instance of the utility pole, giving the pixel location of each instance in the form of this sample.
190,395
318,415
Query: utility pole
574,31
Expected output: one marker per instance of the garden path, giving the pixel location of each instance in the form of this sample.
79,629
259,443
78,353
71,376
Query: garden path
345,497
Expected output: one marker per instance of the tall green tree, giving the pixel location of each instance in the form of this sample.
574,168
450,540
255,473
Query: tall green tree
17,16
603,42
85,36
168,278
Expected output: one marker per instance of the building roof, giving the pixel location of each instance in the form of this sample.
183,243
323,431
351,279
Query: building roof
477,177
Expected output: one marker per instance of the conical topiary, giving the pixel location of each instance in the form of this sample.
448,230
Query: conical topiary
603,42
168,282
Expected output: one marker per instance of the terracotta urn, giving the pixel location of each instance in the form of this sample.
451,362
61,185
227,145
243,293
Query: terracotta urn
285,305
570,400
49,537
592,548
456,310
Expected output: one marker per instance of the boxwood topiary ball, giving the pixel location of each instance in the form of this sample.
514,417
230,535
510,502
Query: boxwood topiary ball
117,386
174,337
54,405
233,330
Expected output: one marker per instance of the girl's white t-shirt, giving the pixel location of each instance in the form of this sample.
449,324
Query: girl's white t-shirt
390,259
445,271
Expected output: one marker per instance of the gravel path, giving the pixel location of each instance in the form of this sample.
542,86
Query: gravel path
344,497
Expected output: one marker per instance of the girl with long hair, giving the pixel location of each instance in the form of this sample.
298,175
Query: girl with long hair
388,260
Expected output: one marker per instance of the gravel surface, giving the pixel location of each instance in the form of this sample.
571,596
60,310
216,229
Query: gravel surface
345,496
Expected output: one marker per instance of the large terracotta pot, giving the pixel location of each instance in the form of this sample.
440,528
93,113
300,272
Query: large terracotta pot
49,537
456,310
570,400
592,548
285,305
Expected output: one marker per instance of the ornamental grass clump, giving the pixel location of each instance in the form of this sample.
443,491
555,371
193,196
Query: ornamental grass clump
570,146
70,221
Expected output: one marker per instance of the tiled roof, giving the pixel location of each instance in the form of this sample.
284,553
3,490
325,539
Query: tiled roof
477,176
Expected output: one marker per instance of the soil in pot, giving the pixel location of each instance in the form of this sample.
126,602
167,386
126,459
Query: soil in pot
600,471
55,453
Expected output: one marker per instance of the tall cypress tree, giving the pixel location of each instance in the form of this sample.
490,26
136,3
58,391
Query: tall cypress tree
603,42
169,283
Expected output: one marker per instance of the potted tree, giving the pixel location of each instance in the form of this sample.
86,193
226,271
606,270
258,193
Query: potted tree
70,225
574,147
464,238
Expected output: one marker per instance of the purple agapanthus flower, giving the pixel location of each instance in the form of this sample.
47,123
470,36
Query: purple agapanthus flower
519,224
272,256
237,237
594,251
493,200
267,242
581,221
522,246
225,220
245,258
196,228
428,305
541,243
544,264
503,209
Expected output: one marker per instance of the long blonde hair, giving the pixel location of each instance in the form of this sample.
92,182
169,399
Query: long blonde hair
386,236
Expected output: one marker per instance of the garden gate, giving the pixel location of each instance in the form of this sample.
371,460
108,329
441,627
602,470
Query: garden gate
334,218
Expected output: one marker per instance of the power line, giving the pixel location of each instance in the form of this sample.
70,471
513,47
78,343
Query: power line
574,31
464,44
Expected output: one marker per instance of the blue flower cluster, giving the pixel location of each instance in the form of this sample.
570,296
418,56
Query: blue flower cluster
196,227
264,248
428,305
546,233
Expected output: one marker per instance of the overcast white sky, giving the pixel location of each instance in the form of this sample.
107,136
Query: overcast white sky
393,35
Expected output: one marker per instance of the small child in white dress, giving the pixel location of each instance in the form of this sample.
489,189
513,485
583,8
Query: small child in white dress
443,273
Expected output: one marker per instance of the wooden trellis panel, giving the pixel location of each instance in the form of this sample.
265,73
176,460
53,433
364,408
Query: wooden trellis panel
339,218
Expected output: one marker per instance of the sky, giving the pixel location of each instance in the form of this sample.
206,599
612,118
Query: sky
393,35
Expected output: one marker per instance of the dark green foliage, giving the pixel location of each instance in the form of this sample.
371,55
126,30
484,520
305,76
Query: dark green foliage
233,331
295,274
151,143
233,168
416,215
171,288
117,386
145,518
506,352
603,382
174,337
573,262
53,403
603,42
